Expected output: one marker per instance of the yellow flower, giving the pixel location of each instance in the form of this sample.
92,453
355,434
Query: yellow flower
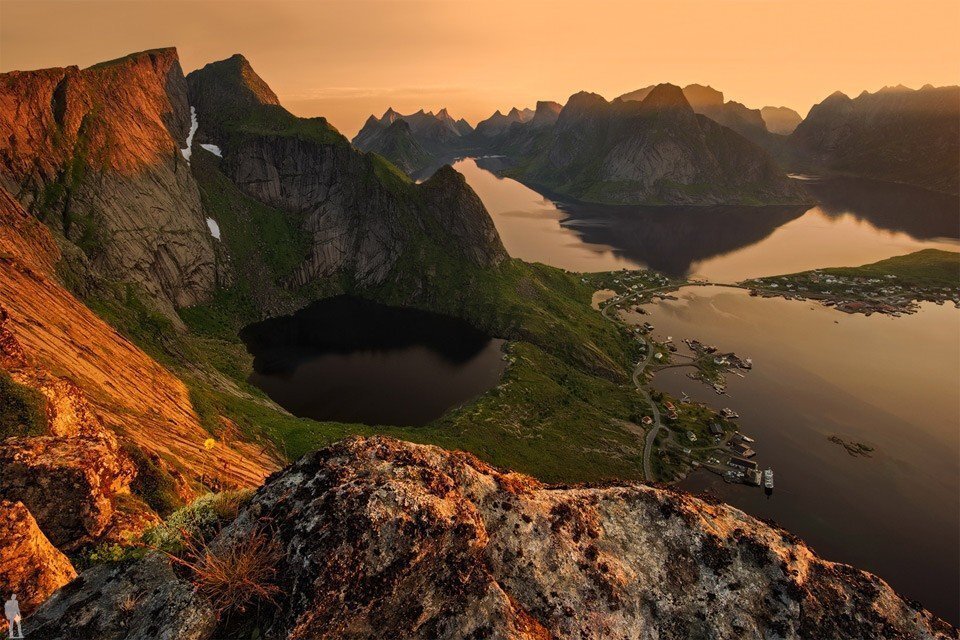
209,443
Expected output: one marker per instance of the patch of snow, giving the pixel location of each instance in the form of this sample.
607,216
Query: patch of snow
194,123
214,228
212,148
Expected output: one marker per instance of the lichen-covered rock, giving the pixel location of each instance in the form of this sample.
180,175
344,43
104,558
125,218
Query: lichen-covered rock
144,600
67,483
386,539
30,566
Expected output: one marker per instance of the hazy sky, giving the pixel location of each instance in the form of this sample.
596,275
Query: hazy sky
346,59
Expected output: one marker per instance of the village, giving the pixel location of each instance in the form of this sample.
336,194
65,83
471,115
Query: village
884,294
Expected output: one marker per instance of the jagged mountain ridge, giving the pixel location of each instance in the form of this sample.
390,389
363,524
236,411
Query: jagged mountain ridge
654,151
895,134
380,538
426,139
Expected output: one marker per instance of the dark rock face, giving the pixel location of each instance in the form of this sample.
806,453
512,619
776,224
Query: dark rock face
398,144
383,538
656,151
96,154
896,134
361,213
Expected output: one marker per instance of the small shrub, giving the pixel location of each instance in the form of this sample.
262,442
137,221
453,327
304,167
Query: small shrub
199,521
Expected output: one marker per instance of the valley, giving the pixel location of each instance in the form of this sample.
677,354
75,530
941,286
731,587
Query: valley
515,380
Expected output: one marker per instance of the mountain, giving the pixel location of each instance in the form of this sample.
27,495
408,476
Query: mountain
398,144
375,538
654,151
707,101
361,214
498,122
96,153
426,139
896,134
546,114
780,120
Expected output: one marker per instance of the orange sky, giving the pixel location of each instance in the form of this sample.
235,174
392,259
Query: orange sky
346,59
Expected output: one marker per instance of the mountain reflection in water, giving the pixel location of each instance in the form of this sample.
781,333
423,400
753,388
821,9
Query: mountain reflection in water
856,222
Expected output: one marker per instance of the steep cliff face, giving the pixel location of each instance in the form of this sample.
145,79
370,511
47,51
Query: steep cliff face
896,134
95,153
398,144
360,213
379,538
656,151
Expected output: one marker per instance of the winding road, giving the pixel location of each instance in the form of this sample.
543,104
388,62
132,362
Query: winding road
638,372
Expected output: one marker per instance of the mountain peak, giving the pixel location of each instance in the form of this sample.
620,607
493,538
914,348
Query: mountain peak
665,96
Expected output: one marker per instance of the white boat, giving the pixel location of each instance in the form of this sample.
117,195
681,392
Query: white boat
768,479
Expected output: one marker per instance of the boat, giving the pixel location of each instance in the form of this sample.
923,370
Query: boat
768,479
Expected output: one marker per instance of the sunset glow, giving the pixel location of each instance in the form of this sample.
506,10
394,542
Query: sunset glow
345,60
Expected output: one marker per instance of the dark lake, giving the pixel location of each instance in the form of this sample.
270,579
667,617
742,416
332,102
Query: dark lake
349,360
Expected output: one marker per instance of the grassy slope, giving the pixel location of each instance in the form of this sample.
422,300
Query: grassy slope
929,267
560,411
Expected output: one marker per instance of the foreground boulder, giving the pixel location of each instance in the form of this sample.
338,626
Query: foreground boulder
30,566
383,539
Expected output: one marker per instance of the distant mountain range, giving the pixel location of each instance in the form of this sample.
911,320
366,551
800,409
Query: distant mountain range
414,142
654,151
780,120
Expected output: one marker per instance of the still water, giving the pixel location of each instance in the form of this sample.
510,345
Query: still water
350,360
856,222
890,383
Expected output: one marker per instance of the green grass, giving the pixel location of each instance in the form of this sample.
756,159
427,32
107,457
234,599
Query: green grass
22,409
928,267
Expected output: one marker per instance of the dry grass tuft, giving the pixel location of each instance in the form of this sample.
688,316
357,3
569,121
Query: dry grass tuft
237,575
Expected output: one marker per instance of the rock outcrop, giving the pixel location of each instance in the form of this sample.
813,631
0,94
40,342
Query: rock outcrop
657,151
30,566
896,134
96,154
382,538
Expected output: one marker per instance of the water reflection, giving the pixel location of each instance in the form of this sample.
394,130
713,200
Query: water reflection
351,360
890,383
855,223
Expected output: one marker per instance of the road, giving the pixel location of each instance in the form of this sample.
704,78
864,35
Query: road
638,372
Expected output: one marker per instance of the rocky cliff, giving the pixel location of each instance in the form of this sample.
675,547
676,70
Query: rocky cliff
96,154
361,214
375,538
655,151
896,134
398,144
